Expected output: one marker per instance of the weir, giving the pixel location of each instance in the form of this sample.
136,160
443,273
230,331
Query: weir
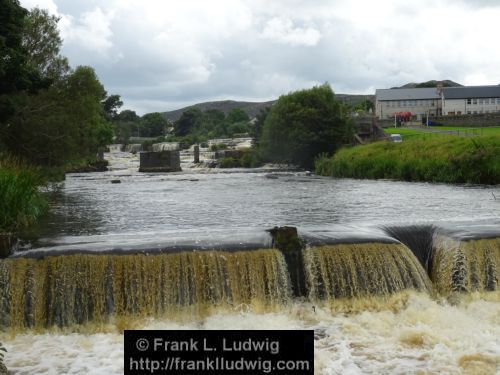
43,290
361,270
76,289
466,265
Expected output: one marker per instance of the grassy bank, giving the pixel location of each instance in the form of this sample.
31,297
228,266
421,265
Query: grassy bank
434,159
20,201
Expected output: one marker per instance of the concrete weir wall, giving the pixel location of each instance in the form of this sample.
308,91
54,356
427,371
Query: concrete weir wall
162,161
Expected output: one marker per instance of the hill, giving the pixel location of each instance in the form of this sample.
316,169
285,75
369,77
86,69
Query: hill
432,83
253,108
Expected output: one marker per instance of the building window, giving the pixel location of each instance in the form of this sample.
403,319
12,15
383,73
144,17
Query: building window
492,101
459,113
469,101
498,100
474,101
469,112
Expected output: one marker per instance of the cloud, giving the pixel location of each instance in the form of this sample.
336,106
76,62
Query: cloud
283,31
91,30
161,54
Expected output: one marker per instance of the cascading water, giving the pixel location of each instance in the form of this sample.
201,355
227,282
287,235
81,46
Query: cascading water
466,266
362,270
76,289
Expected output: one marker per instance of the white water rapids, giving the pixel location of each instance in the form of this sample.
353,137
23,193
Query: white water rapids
414,336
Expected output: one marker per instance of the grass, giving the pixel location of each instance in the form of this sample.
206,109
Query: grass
438,158
21,203
491,131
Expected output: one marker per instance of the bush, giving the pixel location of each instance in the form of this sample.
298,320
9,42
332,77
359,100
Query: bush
21,203
218,146
304,124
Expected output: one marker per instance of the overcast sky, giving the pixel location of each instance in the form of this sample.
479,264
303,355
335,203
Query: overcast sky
165,54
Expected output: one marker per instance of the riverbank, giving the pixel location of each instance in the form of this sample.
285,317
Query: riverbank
474,160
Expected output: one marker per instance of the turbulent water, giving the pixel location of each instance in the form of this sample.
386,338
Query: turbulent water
395,278
410,335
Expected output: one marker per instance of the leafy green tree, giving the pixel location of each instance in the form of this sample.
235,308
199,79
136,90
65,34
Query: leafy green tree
255,129
126,124
16,75
153,124
189,121
62,123
42,42
237,115
304,124
110,106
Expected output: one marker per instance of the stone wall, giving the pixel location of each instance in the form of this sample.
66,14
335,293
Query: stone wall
478,120
163,161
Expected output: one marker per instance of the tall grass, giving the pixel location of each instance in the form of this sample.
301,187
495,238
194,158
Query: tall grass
441,159
20,201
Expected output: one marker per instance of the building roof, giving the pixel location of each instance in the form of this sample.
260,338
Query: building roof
472,92
407,94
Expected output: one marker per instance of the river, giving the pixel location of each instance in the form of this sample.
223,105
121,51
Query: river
409,332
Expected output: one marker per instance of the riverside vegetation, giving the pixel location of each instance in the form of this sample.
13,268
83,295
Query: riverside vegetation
448,159
52,118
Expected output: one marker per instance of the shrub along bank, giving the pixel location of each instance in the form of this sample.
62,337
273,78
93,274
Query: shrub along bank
473,160
21,203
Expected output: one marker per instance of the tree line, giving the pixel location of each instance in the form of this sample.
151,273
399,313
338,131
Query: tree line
50,113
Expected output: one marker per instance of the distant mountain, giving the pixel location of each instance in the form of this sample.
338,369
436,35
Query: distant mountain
433,83
253,108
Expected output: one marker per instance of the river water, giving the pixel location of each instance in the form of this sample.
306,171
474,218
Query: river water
151,210
409,333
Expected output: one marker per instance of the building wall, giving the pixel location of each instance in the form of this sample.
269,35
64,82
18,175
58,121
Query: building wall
471,106
386,109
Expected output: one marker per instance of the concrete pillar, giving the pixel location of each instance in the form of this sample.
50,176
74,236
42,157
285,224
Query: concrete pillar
196,154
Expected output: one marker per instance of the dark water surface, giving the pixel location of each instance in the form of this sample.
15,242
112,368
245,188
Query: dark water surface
149,210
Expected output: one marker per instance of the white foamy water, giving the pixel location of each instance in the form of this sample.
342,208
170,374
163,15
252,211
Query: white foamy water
423,337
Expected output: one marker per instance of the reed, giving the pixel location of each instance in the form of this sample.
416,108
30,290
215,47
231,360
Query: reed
21,203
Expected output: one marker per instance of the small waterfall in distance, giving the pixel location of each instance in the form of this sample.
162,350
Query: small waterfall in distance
77,289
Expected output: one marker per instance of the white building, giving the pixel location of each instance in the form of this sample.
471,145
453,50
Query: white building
420,102
437,101
471,100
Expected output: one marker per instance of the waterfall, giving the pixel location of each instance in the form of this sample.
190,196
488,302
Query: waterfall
361,270
466,265
76,289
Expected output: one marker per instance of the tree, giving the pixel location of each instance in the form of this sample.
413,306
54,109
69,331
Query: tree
304,124
42,42
153,124
188,122
110,106
62,123
237,115
16,75
126,123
